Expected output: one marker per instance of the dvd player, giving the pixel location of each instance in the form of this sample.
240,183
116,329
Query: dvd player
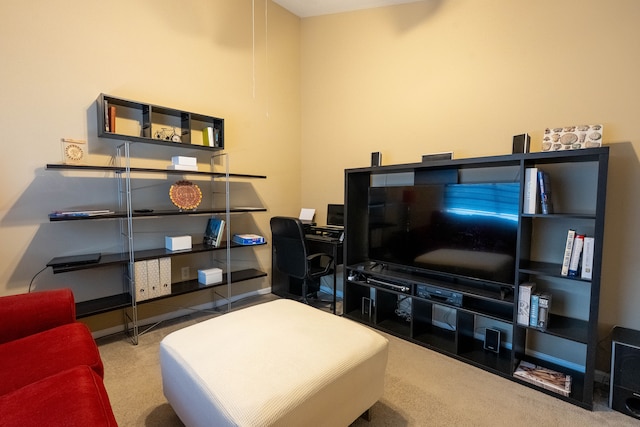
404,288
439,294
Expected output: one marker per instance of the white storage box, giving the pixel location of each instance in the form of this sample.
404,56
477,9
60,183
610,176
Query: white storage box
177,243
210,276
184,161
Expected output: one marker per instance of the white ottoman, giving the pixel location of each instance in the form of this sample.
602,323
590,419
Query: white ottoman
278,363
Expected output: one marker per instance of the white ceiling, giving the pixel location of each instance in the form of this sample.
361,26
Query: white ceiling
306,8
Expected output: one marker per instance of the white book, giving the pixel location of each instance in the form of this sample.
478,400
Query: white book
587,258
524,302
576,252
568,248
530,202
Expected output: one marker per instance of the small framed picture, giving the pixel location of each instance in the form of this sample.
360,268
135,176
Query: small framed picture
74,151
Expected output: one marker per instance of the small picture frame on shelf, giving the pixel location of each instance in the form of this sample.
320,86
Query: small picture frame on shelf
74,151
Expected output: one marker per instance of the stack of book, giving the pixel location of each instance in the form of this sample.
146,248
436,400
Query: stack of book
537,192
578,256
213,233
544,377
80,213
533,307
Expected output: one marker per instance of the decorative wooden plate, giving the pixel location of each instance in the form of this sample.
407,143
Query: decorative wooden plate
185,195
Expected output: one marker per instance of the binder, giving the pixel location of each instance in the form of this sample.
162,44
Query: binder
140,282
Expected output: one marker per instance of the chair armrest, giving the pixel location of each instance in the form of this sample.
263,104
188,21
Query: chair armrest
320,257
26,314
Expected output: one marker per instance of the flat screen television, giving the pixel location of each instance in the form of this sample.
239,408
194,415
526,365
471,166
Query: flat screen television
459,230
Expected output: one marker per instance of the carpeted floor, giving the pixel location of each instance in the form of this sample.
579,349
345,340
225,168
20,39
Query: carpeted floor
422,388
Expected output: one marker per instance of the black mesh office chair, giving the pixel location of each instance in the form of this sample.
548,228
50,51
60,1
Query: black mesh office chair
292,258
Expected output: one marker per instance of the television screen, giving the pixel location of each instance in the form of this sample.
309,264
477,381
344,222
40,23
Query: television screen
467,230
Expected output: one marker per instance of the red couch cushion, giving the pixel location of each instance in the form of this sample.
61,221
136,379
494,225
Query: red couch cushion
25,314
74,397
37,356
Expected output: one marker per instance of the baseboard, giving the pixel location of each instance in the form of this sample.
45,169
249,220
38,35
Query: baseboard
183,312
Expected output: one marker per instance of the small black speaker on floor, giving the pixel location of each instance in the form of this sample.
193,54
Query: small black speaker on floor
376,159
492,340
521,143
624,391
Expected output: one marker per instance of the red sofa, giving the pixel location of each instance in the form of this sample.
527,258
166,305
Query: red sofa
50,368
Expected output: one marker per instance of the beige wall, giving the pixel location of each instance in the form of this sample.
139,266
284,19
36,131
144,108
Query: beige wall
465,76
308,98
206,56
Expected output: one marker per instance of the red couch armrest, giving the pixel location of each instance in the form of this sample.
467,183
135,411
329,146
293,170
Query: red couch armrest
25,314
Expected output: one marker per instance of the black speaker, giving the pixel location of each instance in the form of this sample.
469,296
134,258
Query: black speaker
521,143
492,340
376,159
624,392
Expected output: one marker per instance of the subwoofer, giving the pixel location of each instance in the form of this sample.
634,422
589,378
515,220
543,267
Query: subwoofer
624,391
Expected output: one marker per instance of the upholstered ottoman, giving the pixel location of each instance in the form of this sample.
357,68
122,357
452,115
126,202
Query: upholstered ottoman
276,363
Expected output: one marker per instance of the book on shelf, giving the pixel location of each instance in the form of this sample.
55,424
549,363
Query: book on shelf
544,305
112,119
544,185
530,202
544,377
214,232
106,115
80,213
525,290
587,258
576,253
533,311
248,239
210,137
568,248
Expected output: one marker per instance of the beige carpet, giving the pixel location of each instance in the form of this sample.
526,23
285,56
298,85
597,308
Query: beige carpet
422,388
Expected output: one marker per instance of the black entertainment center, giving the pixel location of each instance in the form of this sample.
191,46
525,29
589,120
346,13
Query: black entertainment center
435,252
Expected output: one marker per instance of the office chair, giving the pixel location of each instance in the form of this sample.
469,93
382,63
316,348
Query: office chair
292,259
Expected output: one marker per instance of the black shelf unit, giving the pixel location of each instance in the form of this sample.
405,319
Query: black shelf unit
153,117
149,118
456,328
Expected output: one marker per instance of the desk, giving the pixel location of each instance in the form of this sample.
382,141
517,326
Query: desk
288,287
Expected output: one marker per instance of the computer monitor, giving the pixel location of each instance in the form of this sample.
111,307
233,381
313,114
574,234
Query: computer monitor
335,215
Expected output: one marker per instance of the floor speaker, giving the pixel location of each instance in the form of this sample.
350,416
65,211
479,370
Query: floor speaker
624,392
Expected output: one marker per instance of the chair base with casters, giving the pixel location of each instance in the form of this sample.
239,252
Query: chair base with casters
293,259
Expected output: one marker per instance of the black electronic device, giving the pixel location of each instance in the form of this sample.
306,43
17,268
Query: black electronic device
492,340
335,215
405,288
73,260
624,393
376,159
439,294
466,230
437,156
521,143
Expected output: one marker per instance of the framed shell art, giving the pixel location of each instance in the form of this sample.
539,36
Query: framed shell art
185,195
572,137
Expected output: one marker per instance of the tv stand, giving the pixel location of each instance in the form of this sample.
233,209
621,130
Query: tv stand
450,313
